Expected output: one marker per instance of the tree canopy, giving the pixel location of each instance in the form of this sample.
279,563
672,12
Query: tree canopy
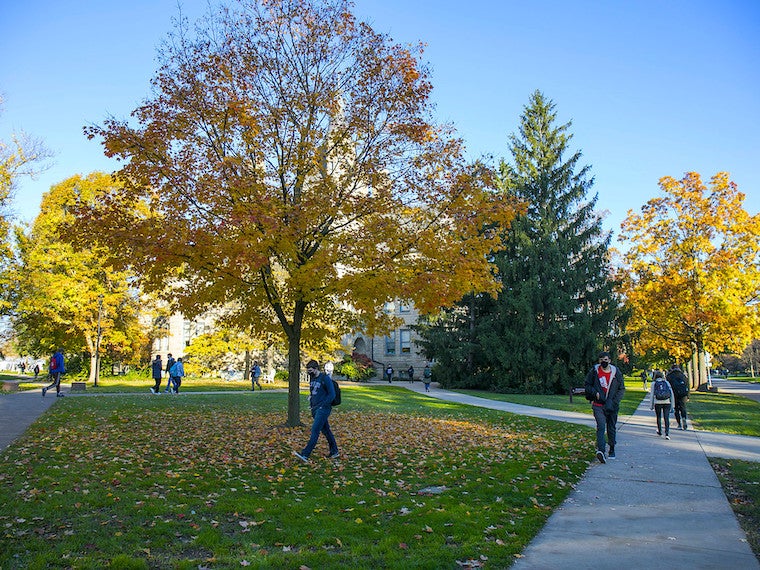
287,168
692,268
56,286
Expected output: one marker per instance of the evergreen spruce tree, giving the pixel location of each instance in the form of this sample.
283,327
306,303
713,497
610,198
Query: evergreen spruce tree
557,305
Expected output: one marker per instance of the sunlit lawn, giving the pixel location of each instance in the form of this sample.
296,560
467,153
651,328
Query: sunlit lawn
723,412
134,383
631,400
209,481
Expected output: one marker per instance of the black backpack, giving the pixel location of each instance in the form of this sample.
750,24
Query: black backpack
680,389
660,390
336,400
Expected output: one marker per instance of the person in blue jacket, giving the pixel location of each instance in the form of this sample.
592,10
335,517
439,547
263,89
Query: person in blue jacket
177,373
321,396
57,367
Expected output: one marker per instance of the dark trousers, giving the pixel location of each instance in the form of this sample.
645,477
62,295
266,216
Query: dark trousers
157,387
663,416
56,381
320,425
605,420
680,411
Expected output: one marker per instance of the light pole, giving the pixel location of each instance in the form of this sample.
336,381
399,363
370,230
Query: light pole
97,341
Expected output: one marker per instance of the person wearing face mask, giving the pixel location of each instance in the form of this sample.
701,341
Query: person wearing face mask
605,387
321,396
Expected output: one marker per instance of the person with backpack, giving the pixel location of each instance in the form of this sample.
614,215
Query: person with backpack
680,385
321,397
662,402
169,363
57,367
255,376
156,369
604,388
177,372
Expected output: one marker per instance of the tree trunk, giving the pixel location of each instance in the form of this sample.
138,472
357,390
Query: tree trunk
294,373
247,366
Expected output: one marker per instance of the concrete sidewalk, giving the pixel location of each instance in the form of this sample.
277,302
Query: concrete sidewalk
659,504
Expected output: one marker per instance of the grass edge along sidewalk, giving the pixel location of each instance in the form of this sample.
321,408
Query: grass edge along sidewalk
209,481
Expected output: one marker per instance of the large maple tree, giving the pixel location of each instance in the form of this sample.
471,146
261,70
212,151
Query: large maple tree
287,168
692,270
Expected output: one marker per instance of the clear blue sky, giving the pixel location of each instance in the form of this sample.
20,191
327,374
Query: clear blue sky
653,88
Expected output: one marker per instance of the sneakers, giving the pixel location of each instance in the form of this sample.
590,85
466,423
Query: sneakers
334,455
44,391
684,426
667,437
153,390
659,433
611,454
600,457
301,457
59,395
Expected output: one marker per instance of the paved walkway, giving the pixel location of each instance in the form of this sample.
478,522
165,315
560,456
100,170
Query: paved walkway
635,511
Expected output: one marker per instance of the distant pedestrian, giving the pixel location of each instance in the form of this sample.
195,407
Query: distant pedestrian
427,375
255,376
680,385
662,402
389,373
57,367
321,396
36,371
410,373
644,377
157,367
605,387
177,373
169,363
329,369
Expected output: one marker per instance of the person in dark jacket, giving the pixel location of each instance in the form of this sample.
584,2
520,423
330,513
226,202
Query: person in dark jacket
157,368
321,396
605,387
680,384
169,381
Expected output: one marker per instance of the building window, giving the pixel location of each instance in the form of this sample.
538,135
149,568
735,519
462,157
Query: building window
406,341
403,307
390,343
389,307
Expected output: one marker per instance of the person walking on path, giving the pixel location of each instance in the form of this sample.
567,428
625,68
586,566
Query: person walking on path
36,371
57,367
177,372
426,377
389,373
410,372
321,396
169,363
662,402
604,388
680,385
255,375
157,367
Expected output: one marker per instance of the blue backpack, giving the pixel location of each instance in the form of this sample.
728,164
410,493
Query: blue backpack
660,390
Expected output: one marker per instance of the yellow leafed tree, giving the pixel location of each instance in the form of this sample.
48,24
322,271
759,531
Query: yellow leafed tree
288,167
692,274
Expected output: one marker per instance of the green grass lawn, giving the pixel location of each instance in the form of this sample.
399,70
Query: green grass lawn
631,400
209,481
723,412
135,383
741,483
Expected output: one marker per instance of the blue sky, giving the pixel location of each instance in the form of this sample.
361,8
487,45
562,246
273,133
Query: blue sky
653,88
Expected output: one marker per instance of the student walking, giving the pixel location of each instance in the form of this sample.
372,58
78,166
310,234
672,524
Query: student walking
177,373
389,373
604,389
255,375
57,367
426,377
662,402
156,367
680,385
321,396
169,363
410,373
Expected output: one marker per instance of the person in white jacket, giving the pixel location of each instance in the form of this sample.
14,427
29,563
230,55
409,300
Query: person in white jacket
662,402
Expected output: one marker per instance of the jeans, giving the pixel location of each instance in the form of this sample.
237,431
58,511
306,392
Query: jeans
663,415
320,425
605,420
